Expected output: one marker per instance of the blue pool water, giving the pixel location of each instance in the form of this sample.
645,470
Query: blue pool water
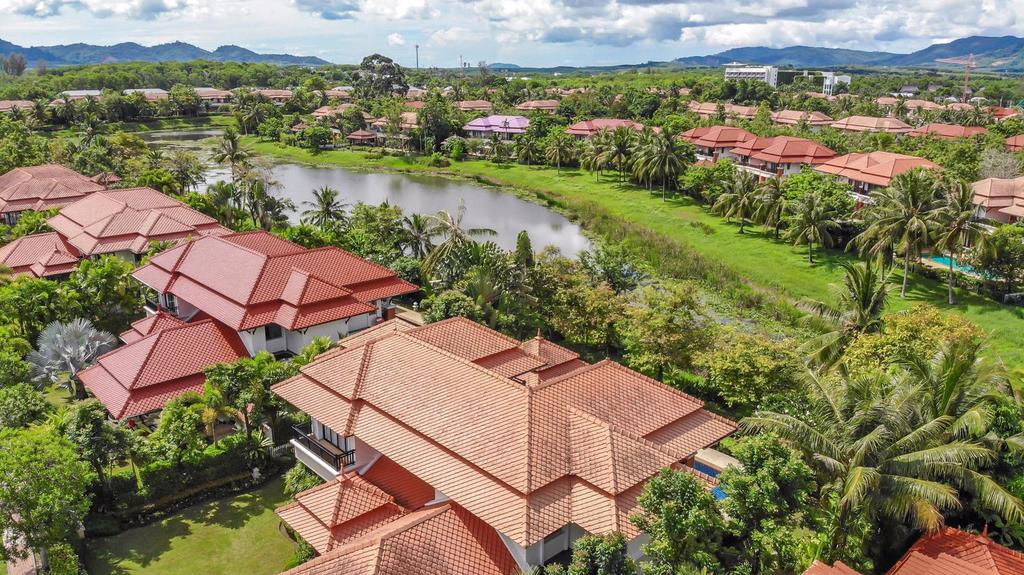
944,260
718,492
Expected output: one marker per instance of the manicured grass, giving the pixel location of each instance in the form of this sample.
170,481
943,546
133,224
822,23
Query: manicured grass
58,396
215,121
755,256
225,537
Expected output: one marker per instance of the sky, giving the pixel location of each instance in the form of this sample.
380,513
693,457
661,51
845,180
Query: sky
524,32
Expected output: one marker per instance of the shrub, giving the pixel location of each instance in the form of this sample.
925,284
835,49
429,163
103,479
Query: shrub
63,560
436,160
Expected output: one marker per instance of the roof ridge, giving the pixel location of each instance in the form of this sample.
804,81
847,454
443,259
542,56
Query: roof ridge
407,335
159,334
626,433
357,388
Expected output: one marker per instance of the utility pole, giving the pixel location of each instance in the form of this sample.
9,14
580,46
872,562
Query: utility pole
417,56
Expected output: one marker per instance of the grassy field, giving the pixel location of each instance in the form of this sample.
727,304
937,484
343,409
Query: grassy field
754,256
208,122
223,537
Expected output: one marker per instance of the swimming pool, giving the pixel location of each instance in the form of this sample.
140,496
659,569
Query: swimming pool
944,261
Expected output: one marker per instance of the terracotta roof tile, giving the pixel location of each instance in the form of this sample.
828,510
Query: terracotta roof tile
840,568
876,168
795,117
409,491
954,551
40,255
720,137
149,324
947,131
43,187
589,128
788,150
872,124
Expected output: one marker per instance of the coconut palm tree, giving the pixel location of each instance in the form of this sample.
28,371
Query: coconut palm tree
229,150
561,149
811,222
526,149
449,225
223,198
902,217
860,303
590,158
957,226
738,198
419,235
620,148
64,349
665,158
325,211
771,204
187,169
881,457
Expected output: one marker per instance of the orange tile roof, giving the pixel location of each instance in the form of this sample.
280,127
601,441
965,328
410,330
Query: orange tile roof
545,105
948,131
43,187
795,117
473,105
150,324
840,568
143,376
40,255
876,168
720,137
439,540
708,109
787,150
8,105
591,127
128,220
252,279
1015,143
954,551
751,146
526,453
871,124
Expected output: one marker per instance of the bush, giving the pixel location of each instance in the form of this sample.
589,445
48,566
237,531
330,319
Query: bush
436,160
21,405
63,560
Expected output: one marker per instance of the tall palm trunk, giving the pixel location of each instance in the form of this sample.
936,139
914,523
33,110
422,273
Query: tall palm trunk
952,277
906,273
810,252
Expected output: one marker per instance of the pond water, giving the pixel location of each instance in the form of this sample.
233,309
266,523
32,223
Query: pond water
485,207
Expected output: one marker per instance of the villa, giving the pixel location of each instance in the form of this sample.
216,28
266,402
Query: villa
538,106
797,117
517,442
872,124
340,93
999,199
589,128
707,110
947,131
41,188
474,106
717,141
505,127
45,255
279,97
872,171
780,156
75,95
150,94
409,121
8,106
213,96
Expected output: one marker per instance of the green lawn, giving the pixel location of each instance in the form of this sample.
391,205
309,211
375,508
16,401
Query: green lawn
223,537
754,256
201,122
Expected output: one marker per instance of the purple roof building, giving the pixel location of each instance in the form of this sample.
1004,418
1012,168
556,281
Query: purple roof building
505,127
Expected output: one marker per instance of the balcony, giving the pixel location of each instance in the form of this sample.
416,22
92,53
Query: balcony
328,455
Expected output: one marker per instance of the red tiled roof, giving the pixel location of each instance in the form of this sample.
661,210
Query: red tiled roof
591,127
787,150
876,168
795,117
948,131
840,568
8,105
545,105
871,124
955,552
751,146
128,220
524,452
253,279
144,375
473,105
719,137
40,255
1015,143
708,109
43,187
151,323
439,540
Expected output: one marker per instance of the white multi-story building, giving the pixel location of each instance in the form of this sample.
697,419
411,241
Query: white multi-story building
831,80
738,71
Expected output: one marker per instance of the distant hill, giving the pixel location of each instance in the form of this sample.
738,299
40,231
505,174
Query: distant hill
75,54
503,66
1002,53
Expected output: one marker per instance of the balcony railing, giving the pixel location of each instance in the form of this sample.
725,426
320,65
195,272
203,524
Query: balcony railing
327,452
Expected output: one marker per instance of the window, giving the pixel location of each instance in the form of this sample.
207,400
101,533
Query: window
274,332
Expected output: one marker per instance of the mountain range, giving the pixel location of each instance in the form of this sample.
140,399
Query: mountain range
76,54
1003,53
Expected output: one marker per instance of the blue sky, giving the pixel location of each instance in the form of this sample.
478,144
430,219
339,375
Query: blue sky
526,32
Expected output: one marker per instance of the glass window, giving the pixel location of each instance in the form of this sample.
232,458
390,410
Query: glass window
274,332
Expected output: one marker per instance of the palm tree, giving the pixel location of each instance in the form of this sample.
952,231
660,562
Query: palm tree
560,150
419,234
902,217
590,158
665,158
229,150
187,169
957,226
214,408
223,198
771,204
449,225
526,149
810,222
64,349
325,211
860,302
880,456
620,147
737,200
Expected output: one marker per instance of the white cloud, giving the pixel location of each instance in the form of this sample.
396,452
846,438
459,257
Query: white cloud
135,9
396,39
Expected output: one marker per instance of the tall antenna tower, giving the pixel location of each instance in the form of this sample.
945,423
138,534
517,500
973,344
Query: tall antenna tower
968,63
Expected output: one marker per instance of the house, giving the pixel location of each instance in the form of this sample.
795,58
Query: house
948,551
999,113
415,105
278,97
474,106
414,93
41,188
1015,143
716,141
213,96
163,358
873,170
736,71
916,105
947,131
589,128
150,94
707,110
908,91
797,117
75,95
505,127
999,199
8,106
276,295
525,436
962,106
125,222
328,111
46,255
780,156
340,93
538,106
872,124
363,137
409,121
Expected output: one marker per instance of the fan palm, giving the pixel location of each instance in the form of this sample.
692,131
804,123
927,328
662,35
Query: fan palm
880,457
811,222
957,226
902,217
419,235
64,349
325,211
738,198
449,225
860,303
